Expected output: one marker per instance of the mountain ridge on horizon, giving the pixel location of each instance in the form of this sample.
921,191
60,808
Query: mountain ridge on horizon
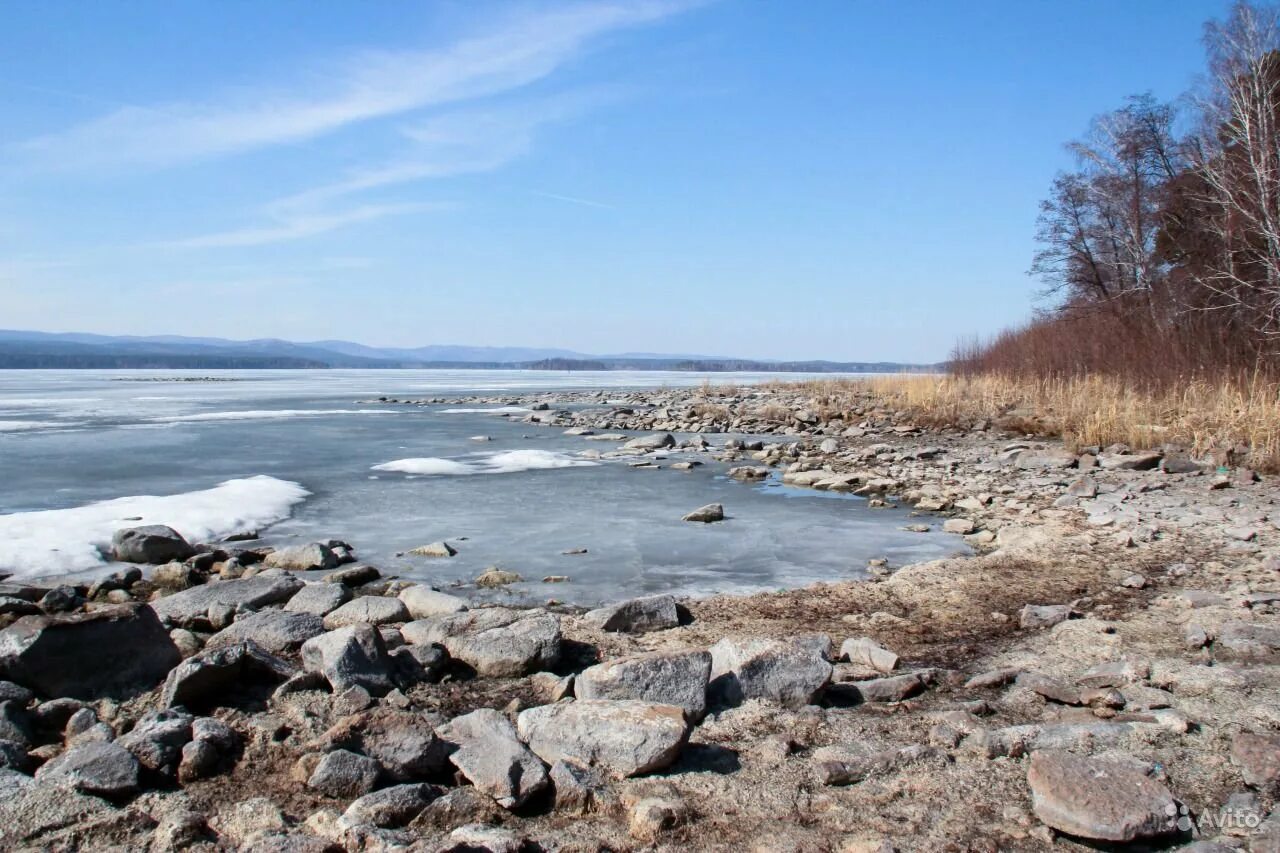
30,349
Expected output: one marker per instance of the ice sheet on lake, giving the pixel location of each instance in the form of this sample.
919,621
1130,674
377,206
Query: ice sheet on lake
491,410
506,462
68,540
27,426
266,414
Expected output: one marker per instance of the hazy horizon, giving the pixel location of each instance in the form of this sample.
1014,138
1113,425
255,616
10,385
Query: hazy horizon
686,176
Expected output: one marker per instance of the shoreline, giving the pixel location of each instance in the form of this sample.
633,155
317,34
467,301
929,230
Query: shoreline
1125,567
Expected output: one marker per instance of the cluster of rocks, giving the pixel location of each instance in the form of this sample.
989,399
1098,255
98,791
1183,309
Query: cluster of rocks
1101,672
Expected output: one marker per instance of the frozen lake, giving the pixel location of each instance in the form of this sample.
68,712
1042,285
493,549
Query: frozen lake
293,454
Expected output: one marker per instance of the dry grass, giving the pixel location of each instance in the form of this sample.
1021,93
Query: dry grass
1235,421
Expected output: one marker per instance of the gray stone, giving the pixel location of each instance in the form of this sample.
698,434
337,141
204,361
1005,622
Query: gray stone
893,689
389,808
495,641
706,514
157,739
115,651
435,549
790,672
624,738
424,602
344,774
350,656
190,606
276,631
1247,639
459,807
1099,799
668,678
105,769
1130,461
201,680
656,441
318,599
315,556
1043,615
200,760
370,609
579,788
638,615
488,752
152,543
868,652
478,837
403,742
353,576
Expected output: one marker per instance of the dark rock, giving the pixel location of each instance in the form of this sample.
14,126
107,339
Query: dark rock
345,774
152,543
390,808
403,742
202,680
350,656
114,651
105,769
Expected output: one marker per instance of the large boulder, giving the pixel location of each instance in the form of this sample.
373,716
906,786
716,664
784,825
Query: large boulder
668,678
487,751
191,606
157,740
153,543
638,615
105,769
372,609
276,631
791,672
315,556
201,680
624,738
495,641
424,602
346,774
1099,799
114,651
352,656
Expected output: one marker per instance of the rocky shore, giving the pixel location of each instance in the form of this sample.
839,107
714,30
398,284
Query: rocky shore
1101,672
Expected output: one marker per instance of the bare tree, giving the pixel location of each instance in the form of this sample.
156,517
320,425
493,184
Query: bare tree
1235,188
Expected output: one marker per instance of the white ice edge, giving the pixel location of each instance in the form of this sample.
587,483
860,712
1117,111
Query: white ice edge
506,462
58,541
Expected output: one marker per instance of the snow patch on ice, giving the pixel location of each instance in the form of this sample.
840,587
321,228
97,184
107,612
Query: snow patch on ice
506,462
58,541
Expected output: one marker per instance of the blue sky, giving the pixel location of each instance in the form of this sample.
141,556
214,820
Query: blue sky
832,179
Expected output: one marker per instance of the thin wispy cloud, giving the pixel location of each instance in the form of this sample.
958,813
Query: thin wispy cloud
516,52
585,202
296,226
462,142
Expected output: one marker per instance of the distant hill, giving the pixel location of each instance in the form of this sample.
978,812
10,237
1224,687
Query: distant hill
32,350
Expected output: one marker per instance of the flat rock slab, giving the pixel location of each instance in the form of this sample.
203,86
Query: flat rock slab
495,641
1099,799
668,678
318,599
113,651
371,609
623,738
275,631
391,807
892,689
1258,757
650,613
1043,615
487,750
790,672
105,769
424,602
255,593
